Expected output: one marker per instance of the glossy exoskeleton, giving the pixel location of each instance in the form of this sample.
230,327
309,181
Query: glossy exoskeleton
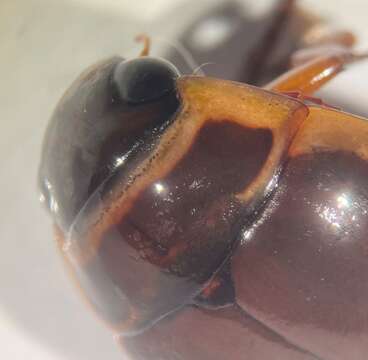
209,219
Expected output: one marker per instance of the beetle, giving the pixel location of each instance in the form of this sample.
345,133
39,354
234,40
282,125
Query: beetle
209,219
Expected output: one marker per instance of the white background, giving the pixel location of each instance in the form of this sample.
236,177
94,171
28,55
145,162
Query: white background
44,44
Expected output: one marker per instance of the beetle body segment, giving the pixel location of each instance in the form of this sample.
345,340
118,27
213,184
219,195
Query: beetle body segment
232,334
211,202
176,218
311,272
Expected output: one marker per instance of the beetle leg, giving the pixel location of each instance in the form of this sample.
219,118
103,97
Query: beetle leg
269,41
321,34
312,75
323,57
320,41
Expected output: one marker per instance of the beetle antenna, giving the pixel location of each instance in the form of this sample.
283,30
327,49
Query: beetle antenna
360,56
198,69
183,52
145,39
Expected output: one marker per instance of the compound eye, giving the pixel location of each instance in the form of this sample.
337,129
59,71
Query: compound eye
144,79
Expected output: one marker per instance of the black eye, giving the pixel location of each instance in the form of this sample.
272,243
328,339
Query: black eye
144,79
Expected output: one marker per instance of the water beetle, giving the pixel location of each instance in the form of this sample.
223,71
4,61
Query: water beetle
208,219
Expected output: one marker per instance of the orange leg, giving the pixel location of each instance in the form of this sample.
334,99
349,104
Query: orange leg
317,64
312,75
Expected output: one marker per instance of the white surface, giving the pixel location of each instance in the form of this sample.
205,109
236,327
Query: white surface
44,44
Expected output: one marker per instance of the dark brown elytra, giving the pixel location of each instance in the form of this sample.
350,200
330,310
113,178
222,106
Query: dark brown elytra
210,219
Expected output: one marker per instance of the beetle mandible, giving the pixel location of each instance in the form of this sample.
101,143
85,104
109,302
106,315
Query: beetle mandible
210,219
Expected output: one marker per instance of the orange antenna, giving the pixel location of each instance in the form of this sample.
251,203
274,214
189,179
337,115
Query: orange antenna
146,44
